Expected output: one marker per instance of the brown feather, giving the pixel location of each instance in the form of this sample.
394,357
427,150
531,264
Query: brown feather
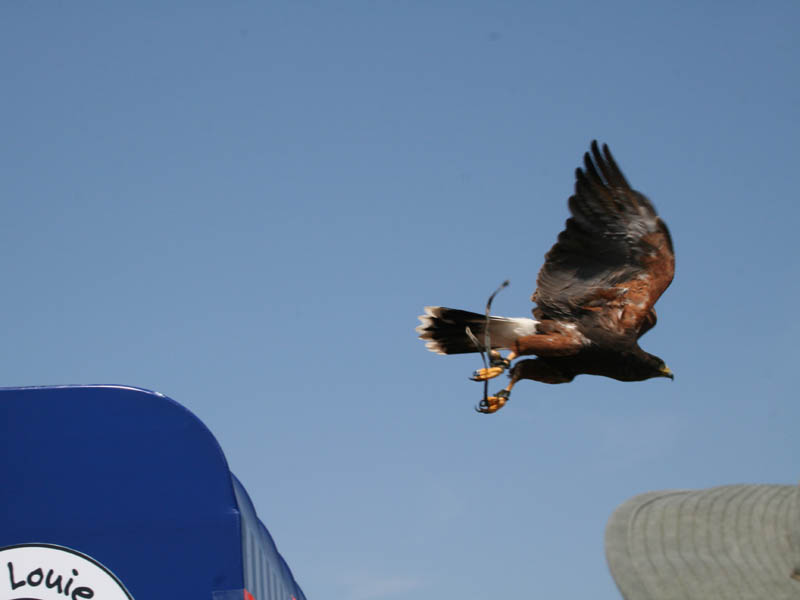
613,260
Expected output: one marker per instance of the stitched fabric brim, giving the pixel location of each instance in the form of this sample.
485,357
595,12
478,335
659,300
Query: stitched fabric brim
737,542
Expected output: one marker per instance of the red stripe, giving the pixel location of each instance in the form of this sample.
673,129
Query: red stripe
248,596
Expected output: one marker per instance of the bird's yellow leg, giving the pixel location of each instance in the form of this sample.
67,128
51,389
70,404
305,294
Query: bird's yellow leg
498,365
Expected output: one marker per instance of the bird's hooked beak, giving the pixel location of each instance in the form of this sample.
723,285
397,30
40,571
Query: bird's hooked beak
665,372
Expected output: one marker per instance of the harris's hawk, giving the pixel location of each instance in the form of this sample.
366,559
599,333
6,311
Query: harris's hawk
595,293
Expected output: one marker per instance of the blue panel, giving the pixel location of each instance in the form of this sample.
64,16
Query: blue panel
126,476
264,567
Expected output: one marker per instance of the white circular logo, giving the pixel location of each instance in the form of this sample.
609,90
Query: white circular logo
49,572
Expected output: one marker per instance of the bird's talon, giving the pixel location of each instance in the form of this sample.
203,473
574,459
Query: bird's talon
492,404
484,374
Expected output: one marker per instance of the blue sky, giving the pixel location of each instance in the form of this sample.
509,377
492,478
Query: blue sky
246,205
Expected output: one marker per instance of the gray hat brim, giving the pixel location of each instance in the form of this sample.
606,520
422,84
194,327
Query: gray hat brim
739,542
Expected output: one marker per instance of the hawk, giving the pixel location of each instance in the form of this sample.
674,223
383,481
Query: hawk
595,294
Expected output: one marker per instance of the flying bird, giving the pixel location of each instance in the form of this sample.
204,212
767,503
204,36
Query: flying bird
595,294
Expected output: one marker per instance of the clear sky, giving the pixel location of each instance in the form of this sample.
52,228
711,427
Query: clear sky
245,206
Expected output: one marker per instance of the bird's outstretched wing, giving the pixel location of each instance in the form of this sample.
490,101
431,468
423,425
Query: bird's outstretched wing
613,260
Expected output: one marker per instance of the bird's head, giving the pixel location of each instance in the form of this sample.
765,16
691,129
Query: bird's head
657,367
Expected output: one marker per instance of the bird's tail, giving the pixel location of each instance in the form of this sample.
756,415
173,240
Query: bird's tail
445,330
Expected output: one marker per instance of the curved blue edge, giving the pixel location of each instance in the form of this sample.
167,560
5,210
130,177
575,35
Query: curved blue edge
134,480
266,574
